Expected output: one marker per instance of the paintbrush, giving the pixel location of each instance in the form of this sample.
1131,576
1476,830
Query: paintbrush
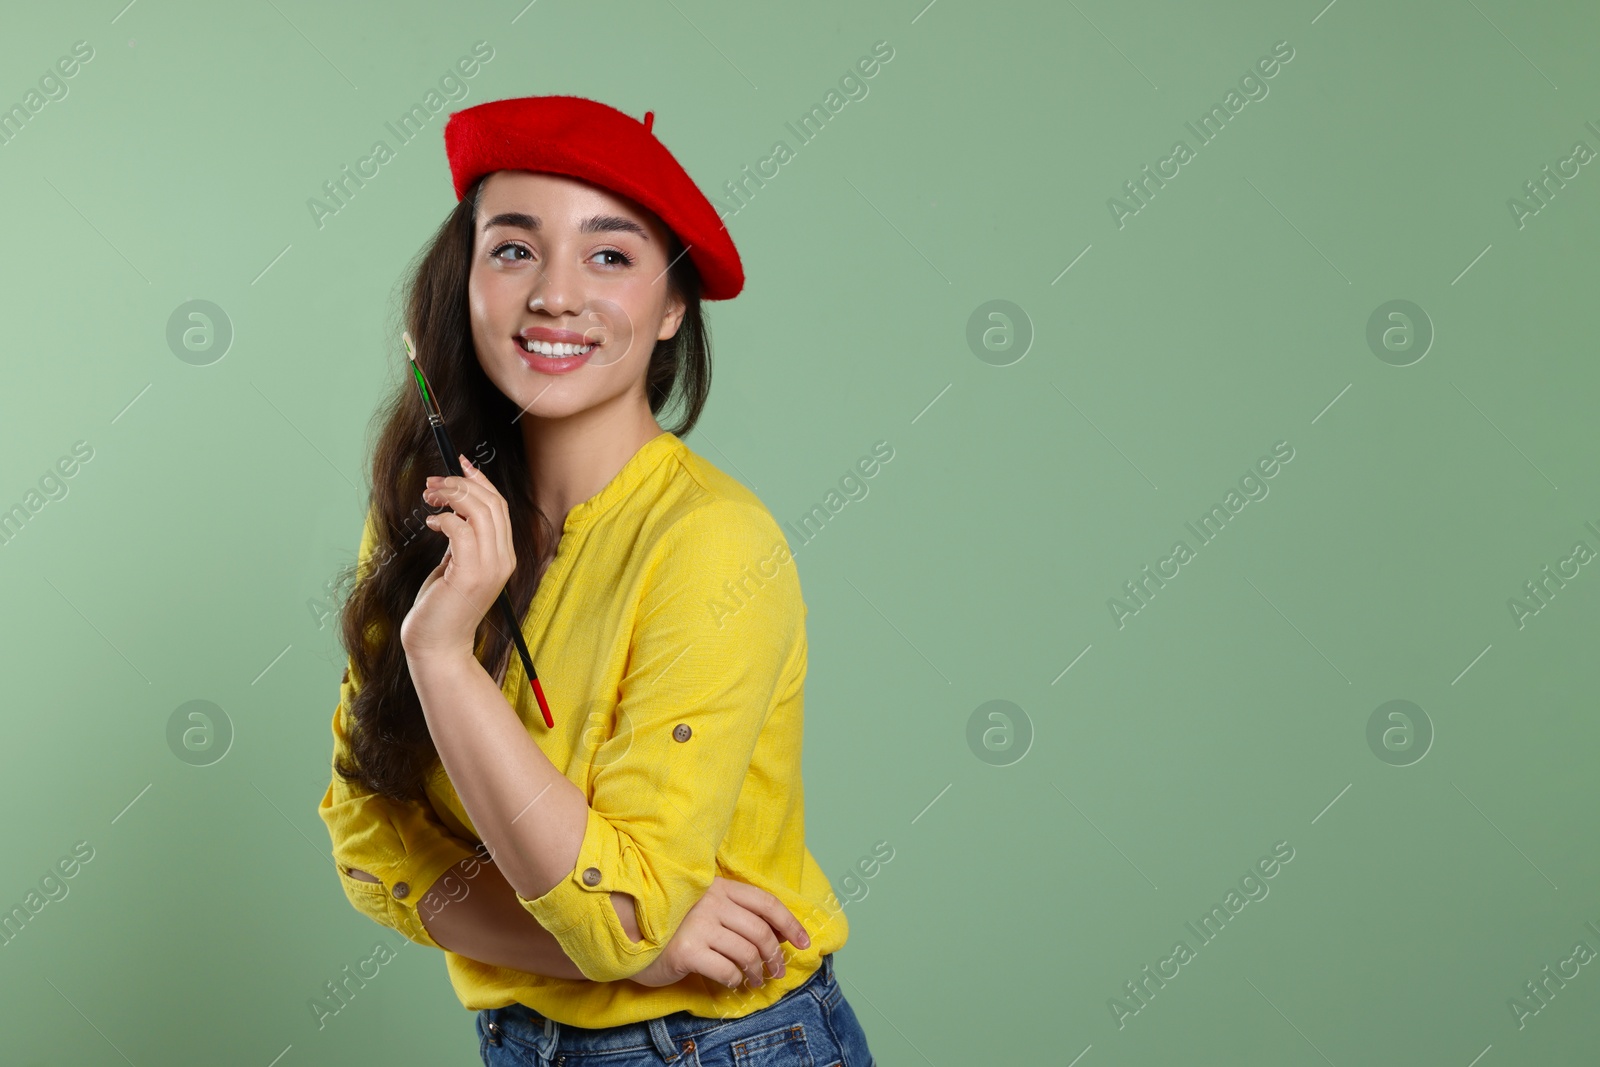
448,451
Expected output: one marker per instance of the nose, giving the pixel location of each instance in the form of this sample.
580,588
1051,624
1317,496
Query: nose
556,288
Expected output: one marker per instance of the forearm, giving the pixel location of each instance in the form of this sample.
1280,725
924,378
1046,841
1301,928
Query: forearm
487,924
525,810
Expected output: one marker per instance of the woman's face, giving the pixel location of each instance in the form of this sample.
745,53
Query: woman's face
558,260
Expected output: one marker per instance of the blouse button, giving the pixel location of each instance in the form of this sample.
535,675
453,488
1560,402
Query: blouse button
591,876
681,732
400,890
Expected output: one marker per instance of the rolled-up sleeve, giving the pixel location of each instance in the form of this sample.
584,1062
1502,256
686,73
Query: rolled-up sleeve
718,639
403,844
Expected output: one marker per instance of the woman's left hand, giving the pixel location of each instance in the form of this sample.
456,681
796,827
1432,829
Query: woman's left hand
476,565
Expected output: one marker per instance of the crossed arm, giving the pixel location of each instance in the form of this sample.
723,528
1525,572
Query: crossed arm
463,903
487,924
732,935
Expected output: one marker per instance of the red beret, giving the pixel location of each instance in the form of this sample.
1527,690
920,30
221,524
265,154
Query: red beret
583,138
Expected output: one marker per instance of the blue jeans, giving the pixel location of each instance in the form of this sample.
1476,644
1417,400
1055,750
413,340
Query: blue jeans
812,1025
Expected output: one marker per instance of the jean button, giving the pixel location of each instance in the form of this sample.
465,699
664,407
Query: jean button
494,1034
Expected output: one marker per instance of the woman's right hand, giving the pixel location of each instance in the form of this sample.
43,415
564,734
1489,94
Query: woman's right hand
727,936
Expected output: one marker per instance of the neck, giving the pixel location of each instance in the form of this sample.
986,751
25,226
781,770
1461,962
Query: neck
573,458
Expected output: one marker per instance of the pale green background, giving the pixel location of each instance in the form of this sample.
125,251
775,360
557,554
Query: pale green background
1227,315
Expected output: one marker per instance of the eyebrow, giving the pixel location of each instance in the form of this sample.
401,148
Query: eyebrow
592,224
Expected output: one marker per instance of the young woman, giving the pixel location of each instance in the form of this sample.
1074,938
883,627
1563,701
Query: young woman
633,883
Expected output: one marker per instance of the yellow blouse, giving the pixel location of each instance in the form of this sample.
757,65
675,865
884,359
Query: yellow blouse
669,635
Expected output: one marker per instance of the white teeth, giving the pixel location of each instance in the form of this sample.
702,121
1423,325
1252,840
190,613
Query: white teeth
544,348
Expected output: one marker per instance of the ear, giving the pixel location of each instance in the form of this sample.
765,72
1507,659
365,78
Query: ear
673,318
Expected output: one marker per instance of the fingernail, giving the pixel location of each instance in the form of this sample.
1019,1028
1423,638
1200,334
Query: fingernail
465,462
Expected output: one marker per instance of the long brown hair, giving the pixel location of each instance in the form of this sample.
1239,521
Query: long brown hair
391,750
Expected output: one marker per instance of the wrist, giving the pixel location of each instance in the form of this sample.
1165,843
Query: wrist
439,659
441,662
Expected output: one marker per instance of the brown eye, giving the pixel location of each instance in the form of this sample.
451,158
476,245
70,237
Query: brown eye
509,244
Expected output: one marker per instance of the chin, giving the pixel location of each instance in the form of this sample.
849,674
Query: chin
557,401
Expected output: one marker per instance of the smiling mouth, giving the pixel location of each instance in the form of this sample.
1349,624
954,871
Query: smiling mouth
556,351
